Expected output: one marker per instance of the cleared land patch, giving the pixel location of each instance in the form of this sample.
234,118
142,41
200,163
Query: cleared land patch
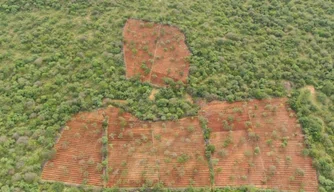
256,143
259,143
78,158
155,51
153,93
171,153
139,152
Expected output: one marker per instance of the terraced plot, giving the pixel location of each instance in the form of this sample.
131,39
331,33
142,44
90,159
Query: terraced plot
256,143
78,158
171,153
259,143
155,51
139,153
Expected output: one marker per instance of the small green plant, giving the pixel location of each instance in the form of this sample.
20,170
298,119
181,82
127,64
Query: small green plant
248,153
123,163
145,68
248,124
274,135
227,126
230,118
264,114
99,167
222,153
237,110
227,141
219,170
305,152
157,137
257,151
272,170
190,128
253,136
268,107
288,160
269,142
183,158
244,177
300,172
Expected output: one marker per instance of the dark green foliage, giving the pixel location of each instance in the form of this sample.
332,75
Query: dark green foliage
316,120
211,148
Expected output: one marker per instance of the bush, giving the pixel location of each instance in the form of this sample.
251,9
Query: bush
30,177
211,148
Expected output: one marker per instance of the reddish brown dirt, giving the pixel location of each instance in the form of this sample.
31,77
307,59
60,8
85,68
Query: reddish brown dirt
78,151
263,125
257,143
139,47
147,153
155,51
176,141
130,160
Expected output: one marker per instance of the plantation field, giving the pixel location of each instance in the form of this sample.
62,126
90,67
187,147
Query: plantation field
78,152
171,153
259,143
256,143
139,152
155,51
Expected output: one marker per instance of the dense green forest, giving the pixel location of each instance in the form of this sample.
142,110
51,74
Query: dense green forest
60,57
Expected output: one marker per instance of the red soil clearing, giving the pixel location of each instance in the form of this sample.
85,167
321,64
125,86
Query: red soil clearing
78,152
259,143
155,51
139,152
171,153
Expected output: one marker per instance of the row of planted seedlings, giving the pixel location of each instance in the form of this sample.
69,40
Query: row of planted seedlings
209,148
105,124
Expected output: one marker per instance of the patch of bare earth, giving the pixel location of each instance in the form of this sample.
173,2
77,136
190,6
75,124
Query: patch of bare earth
152,95
155,51
78,155
311,89
171,153
189,98
259,143
139,152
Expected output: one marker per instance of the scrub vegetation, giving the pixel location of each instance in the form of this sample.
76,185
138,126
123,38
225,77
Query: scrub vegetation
59,58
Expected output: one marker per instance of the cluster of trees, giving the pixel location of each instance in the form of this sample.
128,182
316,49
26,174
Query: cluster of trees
61,57
315,113
157,188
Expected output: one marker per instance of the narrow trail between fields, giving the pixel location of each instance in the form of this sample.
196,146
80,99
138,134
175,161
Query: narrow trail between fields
155,52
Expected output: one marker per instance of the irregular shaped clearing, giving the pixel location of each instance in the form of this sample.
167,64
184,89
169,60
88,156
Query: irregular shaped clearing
259,143
171,153
256,143
154,52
